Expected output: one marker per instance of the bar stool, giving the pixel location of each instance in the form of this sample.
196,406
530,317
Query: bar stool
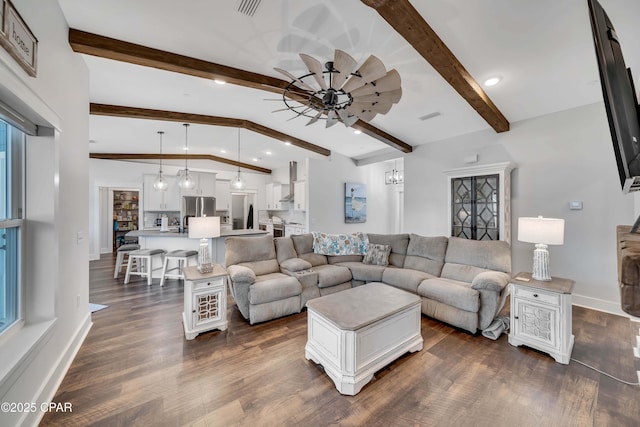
182,257
144,263
122,251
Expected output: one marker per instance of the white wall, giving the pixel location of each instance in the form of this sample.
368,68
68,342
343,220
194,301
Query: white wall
326,180
56,264
560,157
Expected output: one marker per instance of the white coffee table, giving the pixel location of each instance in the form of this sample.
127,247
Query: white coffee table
357,332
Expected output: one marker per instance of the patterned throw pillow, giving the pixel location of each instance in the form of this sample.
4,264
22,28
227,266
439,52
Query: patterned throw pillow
377,254
339,244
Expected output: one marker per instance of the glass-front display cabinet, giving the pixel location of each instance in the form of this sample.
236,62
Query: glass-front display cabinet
480,202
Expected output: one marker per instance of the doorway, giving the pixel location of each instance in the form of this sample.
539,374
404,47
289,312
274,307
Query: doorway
243,210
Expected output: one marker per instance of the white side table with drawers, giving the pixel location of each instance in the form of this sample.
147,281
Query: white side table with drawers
205,301
541,315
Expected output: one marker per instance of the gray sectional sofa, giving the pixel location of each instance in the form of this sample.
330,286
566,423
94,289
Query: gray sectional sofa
461,282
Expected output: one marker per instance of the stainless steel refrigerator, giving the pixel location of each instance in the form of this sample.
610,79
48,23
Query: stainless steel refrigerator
197,206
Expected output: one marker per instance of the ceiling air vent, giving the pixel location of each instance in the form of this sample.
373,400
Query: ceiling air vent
429,116
248,7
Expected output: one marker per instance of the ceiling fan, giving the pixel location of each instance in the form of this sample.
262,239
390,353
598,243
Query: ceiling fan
340,91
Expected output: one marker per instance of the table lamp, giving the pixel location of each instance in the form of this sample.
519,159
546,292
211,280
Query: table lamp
542,232
204,228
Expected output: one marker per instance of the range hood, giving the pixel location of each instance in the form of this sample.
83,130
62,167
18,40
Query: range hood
293,176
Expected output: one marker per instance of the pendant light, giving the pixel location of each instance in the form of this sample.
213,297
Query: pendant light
160,184
186,182
238,182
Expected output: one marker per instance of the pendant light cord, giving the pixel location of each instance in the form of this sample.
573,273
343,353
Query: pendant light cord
186,151
160,133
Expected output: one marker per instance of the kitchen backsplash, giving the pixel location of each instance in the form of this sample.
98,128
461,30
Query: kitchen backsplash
288,216
150,218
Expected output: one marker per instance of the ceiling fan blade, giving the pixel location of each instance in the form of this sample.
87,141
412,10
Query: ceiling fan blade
314,67
293,78
370,70
367,116
381,107
332,118
344,64
391,96
314,119
347,120
388,83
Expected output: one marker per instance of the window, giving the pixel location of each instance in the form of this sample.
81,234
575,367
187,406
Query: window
11,203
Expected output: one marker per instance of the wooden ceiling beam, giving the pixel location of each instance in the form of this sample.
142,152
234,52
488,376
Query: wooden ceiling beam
118,50
174,116
144,156
406,20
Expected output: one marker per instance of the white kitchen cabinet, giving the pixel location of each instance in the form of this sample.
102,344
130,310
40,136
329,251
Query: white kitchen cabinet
205,185
300,196
223,195
154,200
273,194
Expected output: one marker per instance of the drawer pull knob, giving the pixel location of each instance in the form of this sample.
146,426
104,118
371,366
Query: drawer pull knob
535,295
515,317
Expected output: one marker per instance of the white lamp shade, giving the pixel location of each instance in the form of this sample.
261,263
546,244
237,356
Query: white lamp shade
549,231
204,227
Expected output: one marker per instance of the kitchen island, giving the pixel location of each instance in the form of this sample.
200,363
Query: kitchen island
172,240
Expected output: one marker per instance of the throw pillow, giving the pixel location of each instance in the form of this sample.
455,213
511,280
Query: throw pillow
377,254
339,244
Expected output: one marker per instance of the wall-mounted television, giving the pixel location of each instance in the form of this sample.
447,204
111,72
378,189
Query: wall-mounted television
619,98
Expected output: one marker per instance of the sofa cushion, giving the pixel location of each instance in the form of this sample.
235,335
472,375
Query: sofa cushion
295,264
485,254
273,287
451,292
262,267
364,272
339,244
332,275
284,248
398,243
252,251
377,254
426,254
337,259
404,278
303,244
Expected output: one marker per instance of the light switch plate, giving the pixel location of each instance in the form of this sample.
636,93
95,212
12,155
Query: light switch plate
575,205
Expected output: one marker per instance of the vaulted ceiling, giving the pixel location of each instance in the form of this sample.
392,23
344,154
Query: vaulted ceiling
542,50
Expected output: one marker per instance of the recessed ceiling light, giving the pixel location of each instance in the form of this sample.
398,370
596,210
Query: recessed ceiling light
223,151
357,132
268,153
287,143
256,159
220,81
492,81
185,148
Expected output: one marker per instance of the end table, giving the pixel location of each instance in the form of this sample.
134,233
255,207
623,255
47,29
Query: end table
541,315
205,301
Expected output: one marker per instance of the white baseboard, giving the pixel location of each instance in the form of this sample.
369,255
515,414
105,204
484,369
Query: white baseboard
94,257
612,307
51,384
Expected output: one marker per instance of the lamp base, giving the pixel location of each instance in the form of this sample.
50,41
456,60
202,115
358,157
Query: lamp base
204,259
205,268
541,263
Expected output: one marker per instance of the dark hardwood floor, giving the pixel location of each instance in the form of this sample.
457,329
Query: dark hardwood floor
136,368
